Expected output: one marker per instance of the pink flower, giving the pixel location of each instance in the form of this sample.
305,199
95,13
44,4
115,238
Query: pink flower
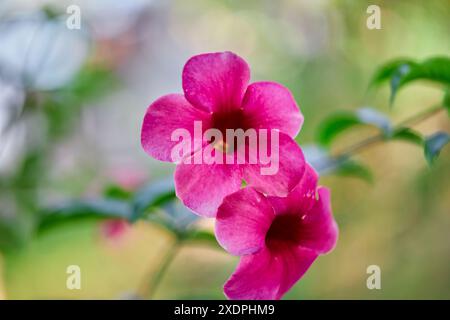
217,94
113,229
278,238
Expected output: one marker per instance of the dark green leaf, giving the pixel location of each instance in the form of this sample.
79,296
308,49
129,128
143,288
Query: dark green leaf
434,145
152,195
82,209
409,135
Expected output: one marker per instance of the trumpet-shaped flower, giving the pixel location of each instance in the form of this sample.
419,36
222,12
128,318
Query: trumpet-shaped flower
277,238
217,95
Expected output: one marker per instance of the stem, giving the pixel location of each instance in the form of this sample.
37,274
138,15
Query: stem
148,290
363,144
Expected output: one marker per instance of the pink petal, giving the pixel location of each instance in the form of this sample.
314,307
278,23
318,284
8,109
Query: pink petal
267,275
302,198
202,187
163,117
215,81
270,105
319,230
291,165
242,221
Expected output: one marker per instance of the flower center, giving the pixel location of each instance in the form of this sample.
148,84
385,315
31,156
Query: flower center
285,230
230,119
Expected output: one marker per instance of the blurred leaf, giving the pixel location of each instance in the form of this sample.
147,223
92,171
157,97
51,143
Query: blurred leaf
434,145
403,71
82,209
446,100
386,71
352,168
338,123
326,164
200,236
334,125
375,118
154,194
10,237
116,192
91,82
409,135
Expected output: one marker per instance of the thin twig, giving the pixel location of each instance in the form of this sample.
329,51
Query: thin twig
148,290
363,144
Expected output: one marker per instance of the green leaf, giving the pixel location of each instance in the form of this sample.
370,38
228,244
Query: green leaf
408,135
436,69
155,194
338,123
387,71
117,192
82,209
404,71
446,100
10,237
434,145
91,83
200,236
334,125
352,168
325,164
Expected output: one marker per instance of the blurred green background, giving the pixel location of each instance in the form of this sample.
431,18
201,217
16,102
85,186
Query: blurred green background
71,107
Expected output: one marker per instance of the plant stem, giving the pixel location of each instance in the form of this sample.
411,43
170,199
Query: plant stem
363,144
148,290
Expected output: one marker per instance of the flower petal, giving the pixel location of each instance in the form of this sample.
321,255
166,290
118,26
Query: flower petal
302,198
319,230
287,167
215,81
242,221
202,187
268,275
270,105
163,117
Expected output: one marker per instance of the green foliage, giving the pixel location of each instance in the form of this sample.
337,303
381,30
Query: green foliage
117,192
325,164
408,135
10,237
434,145
152,195
338,123
84,209
201,236
446,100
389,70
117,203
404,71
353,168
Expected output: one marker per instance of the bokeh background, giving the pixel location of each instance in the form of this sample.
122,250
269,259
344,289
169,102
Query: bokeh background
71,106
